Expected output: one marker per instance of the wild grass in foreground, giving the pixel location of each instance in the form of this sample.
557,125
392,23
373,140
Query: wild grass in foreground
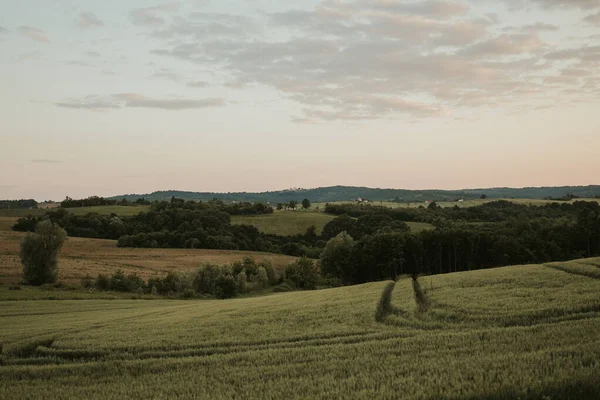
517,332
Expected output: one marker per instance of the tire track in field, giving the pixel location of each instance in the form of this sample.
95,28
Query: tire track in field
574,272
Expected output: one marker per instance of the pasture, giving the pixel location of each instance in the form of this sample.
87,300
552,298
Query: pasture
80,257
516,332
285,223
289,223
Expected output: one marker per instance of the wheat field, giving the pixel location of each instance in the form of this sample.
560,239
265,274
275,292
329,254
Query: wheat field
514,332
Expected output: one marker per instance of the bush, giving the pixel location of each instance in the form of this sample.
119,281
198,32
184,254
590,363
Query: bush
303,274
87,282
15,287
39,253
241,282
226,286
102,282
262,278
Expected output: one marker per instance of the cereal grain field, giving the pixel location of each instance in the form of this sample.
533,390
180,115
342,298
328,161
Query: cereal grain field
515,332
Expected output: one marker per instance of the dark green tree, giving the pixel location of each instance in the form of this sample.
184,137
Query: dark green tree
306,204
39,253
337,259
292,204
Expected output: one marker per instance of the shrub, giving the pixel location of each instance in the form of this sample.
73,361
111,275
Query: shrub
226,286
102,282
262,278
15,287
303,274
87,282
39,253
241,282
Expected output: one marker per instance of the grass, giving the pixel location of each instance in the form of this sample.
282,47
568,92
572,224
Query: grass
285,223
517,332
81,256
289,223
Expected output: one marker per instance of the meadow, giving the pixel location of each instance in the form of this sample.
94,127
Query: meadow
296,222
81,256
515,332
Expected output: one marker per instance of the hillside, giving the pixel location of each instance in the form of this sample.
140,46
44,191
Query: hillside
345,193
516,332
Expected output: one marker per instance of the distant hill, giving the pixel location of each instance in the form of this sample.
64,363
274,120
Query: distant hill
345,193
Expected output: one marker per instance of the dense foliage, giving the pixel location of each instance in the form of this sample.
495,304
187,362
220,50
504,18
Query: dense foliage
39,253
214,281
376,243
12,204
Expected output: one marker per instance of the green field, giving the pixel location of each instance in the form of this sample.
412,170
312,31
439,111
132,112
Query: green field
514,332
466,203
285,222
297,222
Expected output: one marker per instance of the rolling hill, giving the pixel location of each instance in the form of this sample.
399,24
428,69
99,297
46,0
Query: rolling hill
345,193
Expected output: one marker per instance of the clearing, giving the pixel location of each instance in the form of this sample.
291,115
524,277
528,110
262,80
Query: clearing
523,331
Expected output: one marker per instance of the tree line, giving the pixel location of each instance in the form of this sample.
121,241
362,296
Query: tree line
364,242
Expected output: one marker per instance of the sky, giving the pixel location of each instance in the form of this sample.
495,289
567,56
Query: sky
112,97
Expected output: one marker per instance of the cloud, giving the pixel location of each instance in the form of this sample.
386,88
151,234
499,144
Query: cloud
87,20
168,74
92,103
34,34
506,44
540,26
92,54
369,59
549,4
78,63
593,19
135,100
45,161
27,57
197,84
151,16
3,30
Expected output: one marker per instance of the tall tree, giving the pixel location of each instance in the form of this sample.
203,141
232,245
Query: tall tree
39,253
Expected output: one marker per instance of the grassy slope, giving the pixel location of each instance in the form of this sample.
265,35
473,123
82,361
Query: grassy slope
81,256
285,222
296,222
490,334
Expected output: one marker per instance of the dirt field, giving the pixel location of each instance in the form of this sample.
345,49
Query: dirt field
81,257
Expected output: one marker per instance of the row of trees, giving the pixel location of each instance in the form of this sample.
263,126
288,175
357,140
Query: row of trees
293,204
367,242
12,204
